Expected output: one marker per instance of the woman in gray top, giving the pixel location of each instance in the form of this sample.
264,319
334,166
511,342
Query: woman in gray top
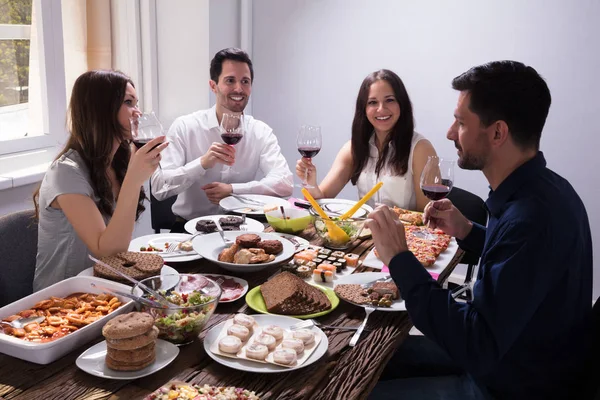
92,193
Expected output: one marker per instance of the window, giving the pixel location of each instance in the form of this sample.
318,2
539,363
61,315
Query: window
32,79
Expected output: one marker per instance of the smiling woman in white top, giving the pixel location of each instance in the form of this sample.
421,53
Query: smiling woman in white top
384,148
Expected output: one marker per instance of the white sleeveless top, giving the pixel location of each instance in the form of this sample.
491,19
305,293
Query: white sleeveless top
396,190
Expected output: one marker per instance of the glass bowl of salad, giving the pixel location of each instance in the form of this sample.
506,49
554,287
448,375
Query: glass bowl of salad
352,227
193,299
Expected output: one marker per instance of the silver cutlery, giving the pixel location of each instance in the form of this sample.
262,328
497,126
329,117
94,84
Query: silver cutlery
368,284
142,300
173,246
21,322
160,298
227,242
354,340
311,322
248,200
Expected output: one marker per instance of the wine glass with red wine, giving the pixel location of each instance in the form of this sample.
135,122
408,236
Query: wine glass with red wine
437,178
309,145
143,129
232,131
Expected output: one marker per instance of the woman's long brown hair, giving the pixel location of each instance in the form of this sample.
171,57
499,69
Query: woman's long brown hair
94,126
400,137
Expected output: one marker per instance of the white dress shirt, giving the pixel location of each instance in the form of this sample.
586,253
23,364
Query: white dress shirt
191,136
397,190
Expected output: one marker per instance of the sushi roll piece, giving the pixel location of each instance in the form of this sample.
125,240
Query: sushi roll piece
300,262
351,259
338,267
290,267
321,259
331,259
325,252
338,254
306,255
304,272
343,262
327,267
311,264
322,276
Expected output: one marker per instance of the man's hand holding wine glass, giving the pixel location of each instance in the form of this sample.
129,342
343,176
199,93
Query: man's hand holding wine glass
218,153
442,214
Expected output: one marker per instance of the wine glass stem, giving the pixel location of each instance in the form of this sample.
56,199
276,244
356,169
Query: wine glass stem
306,176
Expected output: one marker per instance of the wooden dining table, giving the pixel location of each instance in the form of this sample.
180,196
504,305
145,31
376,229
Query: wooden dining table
344,372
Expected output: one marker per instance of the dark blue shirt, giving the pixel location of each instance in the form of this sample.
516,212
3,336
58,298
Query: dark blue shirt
527,331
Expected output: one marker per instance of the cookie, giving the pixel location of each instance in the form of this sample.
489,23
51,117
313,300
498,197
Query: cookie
128,325
248,240
271,246
206,226
129,366
135,355
135,265
230,221
135,342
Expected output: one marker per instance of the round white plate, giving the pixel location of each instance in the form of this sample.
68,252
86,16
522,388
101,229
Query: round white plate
297,241
92,361
158,240
335,207
250,366
251,224
165,270
364,277
209,246
232,204
241,281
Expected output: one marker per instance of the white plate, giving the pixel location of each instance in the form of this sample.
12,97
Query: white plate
364,277
209,246
158,240
250,366
232,204
297,241
335,207
92,361
45,353
241,281
440,263
251,224
165,270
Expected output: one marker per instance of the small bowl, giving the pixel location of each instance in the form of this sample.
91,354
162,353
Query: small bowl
297,220
181,324
352,227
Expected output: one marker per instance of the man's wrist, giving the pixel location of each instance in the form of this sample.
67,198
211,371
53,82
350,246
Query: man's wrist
466,230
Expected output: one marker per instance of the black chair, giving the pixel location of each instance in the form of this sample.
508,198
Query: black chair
19,237
472,207
161,213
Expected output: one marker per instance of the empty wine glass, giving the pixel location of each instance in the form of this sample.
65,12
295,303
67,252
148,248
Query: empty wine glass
309,145
437,179
232,131
143,129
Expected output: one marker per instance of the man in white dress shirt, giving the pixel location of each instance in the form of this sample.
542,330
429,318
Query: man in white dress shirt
194,162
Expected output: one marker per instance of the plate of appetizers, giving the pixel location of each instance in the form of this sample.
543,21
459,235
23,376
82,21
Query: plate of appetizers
250,252
387,298
159,242
264,332
233,288
207,224
251,204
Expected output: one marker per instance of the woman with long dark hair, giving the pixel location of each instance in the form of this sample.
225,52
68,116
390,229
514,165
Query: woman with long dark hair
383,148
92,193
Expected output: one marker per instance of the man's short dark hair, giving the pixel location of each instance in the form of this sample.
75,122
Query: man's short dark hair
509,91
231,53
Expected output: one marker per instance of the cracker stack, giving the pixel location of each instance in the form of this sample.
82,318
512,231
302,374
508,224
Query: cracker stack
136,265
130,341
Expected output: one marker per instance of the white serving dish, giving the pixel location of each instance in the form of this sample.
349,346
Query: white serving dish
45,353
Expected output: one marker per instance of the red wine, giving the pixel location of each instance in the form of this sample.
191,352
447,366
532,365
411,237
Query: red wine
309,152
231,138
437,191
139,143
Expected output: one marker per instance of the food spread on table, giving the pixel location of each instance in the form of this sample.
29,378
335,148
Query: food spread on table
189,391
229,223
183,246
231,289
425,243
134,264
379,294
63,316
409,217
320,263
250,249
242,337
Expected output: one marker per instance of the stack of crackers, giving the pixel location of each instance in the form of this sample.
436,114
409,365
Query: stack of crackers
130,341
136,265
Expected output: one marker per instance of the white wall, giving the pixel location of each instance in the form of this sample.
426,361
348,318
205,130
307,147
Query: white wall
311,56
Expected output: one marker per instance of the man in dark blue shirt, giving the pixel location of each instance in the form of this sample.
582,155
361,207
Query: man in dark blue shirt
526,333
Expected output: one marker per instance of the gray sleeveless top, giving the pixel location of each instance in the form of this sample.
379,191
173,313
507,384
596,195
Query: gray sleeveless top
61,253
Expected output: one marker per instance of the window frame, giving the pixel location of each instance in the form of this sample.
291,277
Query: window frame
52,81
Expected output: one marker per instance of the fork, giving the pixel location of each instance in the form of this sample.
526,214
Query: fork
248,200
173,246
367,285
354,340
228,242
243,226
311,322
